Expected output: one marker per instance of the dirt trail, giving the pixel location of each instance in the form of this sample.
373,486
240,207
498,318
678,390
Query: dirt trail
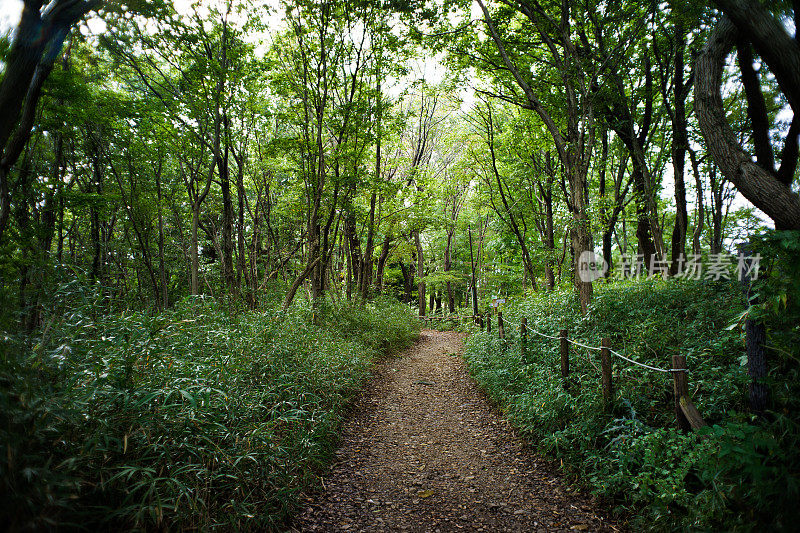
424,451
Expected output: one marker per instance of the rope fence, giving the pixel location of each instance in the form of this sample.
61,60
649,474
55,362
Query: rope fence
613,352
686,413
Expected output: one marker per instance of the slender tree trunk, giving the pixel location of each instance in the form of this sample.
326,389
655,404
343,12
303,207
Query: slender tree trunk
366,270
580,239
451,304
356,261
193,255
680,143
385,248
474,278
242,263
550,243
420,274
700,216
162,271
366,283
228,275
408,281
349,287
299,281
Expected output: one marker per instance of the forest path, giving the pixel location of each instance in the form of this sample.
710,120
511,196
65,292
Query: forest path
424,451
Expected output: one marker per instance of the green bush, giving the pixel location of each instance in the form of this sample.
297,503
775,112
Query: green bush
188,419
737,474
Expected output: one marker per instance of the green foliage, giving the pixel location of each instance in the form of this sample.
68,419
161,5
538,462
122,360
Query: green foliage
186,419
776,294
738,474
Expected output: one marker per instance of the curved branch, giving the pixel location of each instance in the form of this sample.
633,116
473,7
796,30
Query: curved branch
772,42
762,188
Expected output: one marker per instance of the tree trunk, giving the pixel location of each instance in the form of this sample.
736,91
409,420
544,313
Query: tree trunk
451,304
36,45
228,275
242,263
387,241
717,187
759,186
580,238
356,260
366,270
195,260
680,143
420,274
700,217
549,242
474,280
162,271
366,283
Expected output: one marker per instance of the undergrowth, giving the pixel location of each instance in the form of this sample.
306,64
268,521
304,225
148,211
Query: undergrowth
740,473
189,419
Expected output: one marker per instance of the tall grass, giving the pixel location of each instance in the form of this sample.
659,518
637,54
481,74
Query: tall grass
188,419
738,474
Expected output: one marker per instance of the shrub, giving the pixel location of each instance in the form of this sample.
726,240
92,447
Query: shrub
737,474
188,419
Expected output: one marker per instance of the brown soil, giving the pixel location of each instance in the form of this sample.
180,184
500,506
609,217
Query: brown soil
424,451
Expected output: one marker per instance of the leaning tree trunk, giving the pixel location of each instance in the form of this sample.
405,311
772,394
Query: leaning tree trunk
755,183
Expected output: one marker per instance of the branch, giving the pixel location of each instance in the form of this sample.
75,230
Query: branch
762,188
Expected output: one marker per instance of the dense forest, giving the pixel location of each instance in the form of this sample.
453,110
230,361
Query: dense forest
215,215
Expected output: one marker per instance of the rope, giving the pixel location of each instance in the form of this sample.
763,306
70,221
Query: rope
584,346
617,354
668,370
543,335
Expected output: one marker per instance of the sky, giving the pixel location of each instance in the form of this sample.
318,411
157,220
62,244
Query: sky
10,10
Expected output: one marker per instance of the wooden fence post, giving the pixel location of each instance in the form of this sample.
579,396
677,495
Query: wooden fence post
501,331
523,338
680,385
564,354
605,364
489,323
